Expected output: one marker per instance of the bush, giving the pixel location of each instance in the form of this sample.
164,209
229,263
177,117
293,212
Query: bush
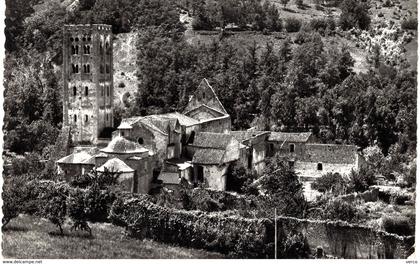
341,210
410,23
296,246
236,236
51,202
239,180
330,182
292,24
399,225
361,180
354,14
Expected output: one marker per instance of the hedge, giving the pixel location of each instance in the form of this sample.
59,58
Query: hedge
231,235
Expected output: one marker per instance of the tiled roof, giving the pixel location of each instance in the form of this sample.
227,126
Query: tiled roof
158,123
78,158
208,156
115,165
290,137
122,145
213,110
183,119
246,135
330,153
211,140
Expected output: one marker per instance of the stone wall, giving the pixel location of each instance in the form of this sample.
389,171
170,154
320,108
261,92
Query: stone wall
217,125
215,176
344,240
310,169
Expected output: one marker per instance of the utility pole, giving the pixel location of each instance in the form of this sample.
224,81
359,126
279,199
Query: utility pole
275,233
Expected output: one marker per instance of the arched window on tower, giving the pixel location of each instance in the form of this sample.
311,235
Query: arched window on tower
74,91
107,68
77,49
75,118
107,48
140,140
101,49
75,68
86,91
102,91
86,118
107,91
101,68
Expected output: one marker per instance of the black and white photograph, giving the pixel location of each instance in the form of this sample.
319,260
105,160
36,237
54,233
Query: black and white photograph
208,129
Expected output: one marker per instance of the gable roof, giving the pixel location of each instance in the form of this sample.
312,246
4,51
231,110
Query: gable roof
197,100
330,153
82,157
208,156
208,108
290,137
115,165
242,136
211,140
123,146
182,119
160,122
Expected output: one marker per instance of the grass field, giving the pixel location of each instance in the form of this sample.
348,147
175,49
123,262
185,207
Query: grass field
31,237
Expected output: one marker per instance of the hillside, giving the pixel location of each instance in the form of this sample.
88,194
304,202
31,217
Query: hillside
125,80
396,44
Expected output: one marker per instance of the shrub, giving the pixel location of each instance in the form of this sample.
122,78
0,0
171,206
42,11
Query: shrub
361,180
51,201
354,14
292,24
330,182
338,209
399,225
410,23
296,246
235,236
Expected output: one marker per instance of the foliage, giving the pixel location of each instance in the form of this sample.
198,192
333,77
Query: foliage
260,16
292,24
330,182
354,14
240,180
338,209
282,188
398,225
295,246
410,23
192,229
361,180
51,202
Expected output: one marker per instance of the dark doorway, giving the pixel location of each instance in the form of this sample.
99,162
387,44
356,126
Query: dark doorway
200,174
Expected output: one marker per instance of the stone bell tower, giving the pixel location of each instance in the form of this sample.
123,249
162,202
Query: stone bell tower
88,81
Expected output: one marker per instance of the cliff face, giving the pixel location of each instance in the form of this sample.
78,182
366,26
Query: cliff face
125,80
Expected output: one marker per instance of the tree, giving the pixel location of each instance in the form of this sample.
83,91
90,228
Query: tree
283,188
284,3
330,182
354,14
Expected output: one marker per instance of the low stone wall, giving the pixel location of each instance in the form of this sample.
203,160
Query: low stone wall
253,238
343,240
236,236
367,196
